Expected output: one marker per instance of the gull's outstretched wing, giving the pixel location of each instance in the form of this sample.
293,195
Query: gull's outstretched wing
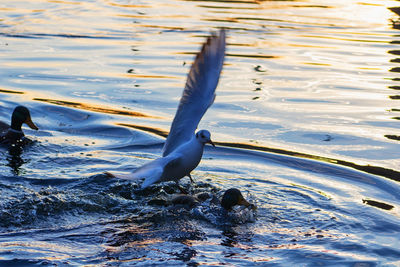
199,92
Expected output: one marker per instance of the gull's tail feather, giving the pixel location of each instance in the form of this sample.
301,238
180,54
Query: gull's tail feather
151,172
125,176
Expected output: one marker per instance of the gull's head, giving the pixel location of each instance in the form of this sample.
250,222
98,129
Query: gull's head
204,137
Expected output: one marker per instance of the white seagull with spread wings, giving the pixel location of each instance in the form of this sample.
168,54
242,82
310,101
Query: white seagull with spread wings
183,148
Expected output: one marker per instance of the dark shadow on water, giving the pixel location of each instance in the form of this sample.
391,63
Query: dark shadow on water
186,255
14,159
10,92
378,204
230,238
392,136
61,35
147,129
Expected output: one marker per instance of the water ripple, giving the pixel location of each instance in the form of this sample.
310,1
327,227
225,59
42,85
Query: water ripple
305,121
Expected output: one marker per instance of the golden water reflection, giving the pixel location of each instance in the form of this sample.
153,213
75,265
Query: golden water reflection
94,108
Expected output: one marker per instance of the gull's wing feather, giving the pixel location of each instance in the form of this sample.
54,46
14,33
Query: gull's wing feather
199,92
125,176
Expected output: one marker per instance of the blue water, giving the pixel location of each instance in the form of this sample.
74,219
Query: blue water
306,123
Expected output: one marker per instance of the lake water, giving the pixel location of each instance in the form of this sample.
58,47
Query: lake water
306,123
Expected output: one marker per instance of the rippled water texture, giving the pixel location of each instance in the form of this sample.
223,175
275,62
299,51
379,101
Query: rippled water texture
306,123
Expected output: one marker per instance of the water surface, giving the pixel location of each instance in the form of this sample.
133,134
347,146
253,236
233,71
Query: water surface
306,120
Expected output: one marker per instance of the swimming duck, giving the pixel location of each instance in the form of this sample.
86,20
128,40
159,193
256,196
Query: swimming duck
233,197
13,134
230,198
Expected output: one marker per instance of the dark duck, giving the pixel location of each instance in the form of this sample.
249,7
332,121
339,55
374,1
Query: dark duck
13,134
233,197
230,198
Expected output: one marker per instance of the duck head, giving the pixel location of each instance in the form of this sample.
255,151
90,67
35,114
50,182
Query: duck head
19,116
233,197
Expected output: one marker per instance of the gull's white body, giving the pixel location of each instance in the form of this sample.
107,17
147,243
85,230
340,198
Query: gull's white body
183,148
176,165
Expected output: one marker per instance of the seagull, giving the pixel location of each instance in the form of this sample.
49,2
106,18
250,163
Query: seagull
183,148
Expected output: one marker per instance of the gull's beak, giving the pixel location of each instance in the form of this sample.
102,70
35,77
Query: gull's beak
211,143
244,202
29,122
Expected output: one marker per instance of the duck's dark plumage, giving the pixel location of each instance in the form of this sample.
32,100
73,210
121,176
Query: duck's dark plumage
13,134
230,198
233,197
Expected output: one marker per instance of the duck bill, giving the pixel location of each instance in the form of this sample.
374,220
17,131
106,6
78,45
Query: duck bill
211,143
30,123
244,202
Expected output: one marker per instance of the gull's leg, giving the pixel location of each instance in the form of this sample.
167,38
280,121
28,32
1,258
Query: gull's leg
191,179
